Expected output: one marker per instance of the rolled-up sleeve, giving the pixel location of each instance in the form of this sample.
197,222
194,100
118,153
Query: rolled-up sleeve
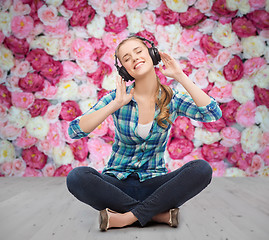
185,106
74,130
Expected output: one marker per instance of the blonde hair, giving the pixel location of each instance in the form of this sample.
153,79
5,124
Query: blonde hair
166,92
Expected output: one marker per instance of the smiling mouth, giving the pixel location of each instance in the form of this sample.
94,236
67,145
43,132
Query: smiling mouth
138,65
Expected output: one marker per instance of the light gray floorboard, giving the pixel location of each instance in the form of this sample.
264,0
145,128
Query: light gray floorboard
43,209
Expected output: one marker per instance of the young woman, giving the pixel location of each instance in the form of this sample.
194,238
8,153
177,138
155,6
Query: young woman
135,184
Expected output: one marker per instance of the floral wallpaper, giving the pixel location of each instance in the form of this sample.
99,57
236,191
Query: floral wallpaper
57,60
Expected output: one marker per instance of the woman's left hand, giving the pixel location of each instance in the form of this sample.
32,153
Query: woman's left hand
172,68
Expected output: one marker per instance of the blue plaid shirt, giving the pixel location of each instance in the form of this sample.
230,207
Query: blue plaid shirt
134,154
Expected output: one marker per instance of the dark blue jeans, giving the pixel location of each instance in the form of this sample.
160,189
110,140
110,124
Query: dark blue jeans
144,199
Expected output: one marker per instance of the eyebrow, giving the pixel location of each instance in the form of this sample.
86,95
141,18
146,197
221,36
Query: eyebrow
128,53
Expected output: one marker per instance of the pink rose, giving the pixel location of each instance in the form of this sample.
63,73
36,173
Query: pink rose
234,70
81,50
22,99
197,58
48,91
34,158
207,25
6,168
190,38
31,172
264,141
265,155
178,148
203,5
215,126
163,79
218,168
182,127
214,152
45,146
70,110
115,24
102,93
256,164
48,14
66,137
229,111
256,4
8,131
48,170
99,150
253,64
39,107
53,112
52,71
80,149
148,35
99,48
261,96
38,58
58,29
98,76
5,96
222,94
25,140
73,5
239,158
18,167
71,70
54,135
21,9
62,171
82,16
245,114
220,7
259,18
21,26
165,16
209,46
230,136
19,47
111,40
137,4
186,66
21,69
243,27
191,17
33,82
222,58
3,113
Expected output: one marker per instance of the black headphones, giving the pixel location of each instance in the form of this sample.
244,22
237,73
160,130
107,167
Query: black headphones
153,52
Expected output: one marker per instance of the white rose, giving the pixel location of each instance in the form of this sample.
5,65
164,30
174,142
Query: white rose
96,27
3,75
217,78
67,91
55,3
88,66
205,136
262,117
62,155
86,104
148,19
177,6
261,77
249,138
6,58
7,151
224,35
242,91
109,82
241,5
5,23
264,172
234,172
253,46
134,21
50,45
37,127
18,117
86,90
154,4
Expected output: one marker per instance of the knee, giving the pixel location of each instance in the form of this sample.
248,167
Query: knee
204,170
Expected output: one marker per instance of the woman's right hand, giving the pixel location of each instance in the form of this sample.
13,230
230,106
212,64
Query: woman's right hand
122,98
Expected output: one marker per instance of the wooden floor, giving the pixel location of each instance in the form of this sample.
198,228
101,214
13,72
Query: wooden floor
43,209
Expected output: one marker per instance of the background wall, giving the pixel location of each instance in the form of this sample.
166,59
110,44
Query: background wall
57,60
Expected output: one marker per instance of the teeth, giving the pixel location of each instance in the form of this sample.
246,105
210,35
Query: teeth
138,65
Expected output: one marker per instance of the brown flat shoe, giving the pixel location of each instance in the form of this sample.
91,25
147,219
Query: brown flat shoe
173,221
103,220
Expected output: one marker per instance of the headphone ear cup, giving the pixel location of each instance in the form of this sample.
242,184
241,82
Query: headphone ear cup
124,74
155,55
